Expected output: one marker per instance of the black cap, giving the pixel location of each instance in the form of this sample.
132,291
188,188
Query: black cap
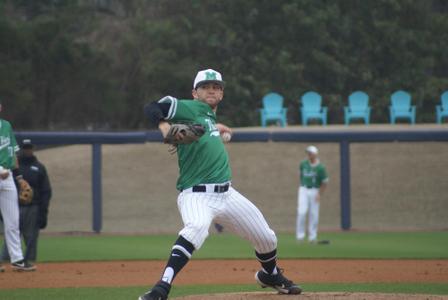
27,144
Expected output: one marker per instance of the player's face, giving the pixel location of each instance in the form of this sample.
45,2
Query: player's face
312,157
27,152
210,93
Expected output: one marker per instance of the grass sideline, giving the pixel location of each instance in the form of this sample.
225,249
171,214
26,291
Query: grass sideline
118,293
368,245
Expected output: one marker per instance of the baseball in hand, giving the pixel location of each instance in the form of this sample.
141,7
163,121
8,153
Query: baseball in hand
4,173
226,136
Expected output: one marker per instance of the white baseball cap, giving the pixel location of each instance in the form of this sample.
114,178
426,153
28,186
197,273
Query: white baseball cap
206,76
312,149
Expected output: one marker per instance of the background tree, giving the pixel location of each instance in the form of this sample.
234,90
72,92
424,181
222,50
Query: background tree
93,64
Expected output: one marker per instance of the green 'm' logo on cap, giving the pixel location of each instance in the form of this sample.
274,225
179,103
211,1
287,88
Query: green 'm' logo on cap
210,76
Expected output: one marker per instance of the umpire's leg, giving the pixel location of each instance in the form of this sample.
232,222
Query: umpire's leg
30,230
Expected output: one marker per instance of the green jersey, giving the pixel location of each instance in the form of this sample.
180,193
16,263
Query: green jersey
203,161
312,176
8,145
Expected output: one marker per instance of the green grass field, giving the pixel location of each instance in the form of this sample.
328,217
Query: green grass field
393,245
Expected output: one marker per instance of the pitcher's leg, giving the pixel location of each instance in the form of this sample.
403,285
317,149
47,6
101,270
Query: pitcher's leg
248,222
302,210
196,216
181,253
243,218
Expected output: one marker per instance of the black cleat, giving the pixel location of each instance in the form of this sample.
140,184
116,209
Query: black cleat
159,292
23,266
279,282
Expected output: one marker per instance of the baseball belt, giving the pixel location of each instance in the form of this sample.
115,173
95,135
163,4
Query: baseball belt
217,188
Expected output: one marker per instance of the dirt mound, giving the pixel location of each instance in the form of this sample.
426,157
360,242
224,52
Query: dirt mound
312,296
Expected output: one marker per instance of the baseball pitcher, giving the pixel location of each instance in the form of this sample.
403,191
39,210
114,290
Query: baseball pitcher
206,194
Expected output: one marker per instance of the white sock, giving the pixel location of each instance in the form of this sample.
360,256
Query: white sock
168,275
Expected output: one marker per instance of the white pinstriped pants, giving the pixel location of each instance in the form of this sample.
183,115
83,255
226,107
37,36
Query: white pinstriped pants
231,209
9,208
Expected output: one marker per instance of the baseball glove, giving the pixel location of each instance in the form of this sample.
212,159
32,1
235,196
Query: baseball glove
25,192
184,133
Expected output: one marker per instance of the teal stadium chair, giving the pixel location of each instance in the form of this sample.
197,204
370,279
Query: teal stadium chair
312,108
442,109
401,107
273,110
358,107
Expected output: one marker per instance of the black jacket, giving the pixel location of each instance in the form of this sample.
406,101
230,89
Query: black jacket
35,173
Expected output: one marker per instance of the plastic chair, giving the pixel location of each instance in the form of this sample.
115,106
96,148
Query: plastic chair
312,108
401,107
358,107
442,109
273,109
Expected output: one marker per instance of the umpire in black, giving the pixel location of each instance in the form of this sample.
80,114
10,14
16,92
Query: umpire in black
33,216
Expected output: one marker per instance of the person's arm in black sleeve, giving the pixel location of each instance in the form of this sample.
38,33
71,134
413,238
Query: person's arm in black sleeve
156,112
45,194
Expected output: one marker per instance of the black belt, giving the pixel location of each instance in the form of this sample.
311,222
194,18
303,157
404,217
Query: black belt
217,189
308,187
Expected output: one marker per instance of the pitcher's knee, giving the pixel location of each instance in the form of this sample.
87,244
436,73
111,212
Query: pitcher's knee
195,234
268,243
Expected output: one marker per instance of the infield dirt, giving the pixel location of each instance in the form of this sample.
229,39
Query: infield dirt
141,273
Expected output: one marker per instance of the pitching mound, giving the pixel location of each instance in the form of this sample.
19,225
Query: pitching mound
313,296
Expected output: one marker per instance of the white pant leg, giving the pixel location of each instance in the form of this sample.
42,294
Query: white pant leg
9,208
247,221
314,215
302,210
196,216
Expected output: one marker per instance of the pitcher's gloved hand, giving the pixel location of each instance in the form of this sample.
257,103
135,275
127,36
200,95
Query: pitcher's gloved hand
184,133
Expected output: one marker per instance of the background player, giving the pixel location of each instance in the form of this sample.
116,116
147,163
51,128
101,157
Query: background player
313,181
9,206
33,216
206,194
